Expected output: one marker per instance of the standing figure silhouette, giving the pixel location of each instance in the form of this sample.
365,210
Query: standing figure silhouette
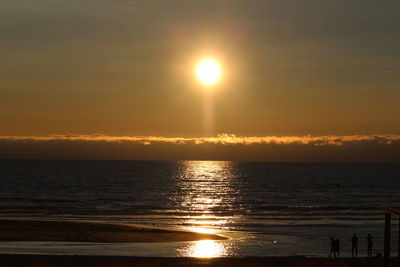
332,247
354,246
369,245
337,247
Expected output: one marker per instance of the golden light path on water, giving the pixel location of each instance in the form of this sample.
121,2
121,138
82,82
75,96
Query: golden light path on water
205,187
205,249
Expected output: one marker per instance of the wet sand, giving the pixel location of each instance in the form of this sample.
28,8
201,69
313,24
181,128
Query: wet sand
77,231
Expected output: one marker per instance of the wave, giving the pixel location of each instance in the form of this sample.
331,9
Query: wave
317,208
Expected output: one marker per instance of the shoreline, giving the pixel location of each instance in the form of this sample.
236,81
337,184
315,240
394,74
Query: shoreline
78,231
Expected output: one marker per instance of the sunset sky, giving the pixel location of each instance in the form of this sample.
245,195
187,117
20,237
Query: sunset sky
126,68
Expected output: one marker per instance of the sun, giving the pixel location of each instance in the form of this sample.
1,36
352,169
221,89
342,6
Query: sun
208,71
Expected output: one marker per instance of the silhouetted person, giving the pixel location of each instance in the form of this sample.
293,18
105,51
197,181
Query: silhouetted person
332,247
354,245
335,247
369,245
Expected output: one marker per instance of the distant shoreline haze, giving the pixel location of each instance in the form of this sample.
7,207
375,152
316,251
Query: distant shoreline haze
355,148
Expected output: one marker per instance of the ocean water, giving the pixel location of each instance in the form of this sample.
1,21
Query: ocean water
267,209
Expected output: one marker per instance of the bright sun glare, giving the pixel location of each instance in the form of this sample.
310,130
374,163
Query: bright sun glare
208,71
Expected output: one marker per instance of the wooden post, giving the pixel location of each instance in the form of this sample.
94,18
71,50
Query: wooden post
386,249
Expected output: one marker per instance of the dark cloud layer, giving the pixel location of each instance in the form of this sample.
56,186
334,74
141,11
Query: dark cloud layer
356,148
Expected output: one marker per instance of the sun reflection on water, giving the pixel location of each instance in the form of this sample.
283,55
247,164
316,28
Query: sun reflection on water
205,186
205,249
207,194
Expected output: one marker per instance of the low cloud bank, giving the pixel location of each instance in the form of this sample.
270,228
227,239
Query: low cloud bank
352,148
225,139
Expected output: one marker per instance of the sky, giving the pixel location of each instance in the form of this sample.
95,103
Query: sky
125,69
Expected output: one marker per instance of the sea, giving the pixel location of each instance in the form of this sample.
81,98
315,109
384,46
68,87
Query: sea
265,208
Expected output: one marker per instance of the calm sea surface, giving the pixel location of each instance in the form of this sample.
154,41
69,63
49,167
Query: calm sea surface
265,208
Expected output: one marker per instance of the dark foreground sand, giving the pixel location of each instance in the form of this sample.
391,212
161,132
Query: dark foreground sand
29,230
117,261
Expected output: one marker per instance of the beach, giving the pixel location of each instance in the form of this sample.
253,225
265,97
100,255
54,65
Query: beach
76,231
199,133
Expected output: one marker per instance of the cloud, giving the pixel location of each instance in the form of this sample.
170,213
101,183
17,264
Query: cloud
224,139
350,148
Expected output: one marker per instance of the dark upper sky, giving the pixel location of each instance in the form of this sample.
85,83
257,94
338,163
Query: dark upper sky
125,67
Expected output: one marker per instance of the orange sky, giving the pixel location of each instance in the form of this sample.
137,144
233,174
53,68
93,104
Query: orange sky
125,68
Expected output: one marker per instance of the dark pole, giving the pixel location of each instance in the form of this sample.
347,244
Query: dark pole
398,247
386,249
